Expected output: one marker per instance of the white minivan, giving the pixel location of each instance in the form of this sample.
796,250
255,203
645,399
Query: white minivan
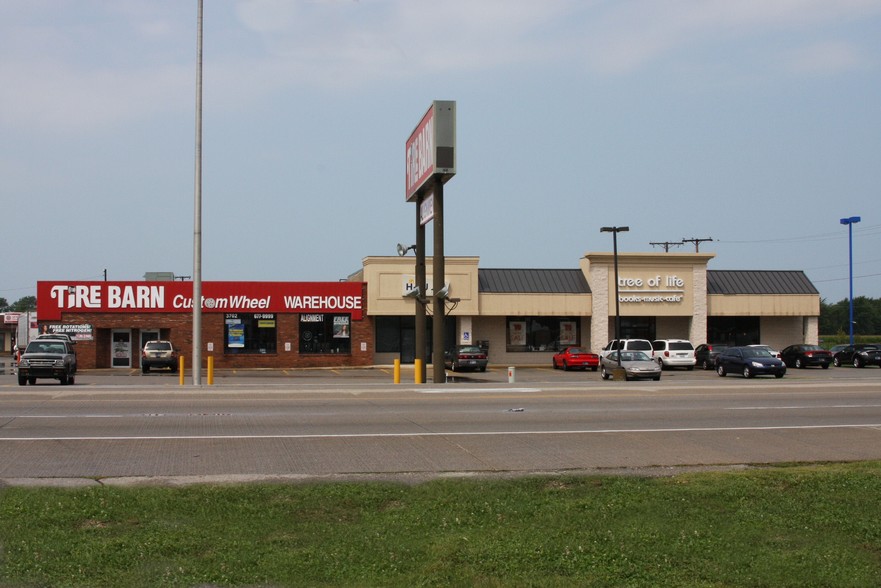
670,353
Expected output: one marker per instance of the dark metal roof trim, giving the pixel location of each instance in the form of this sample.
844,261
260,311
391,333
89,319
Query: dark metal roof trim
532,281
759,282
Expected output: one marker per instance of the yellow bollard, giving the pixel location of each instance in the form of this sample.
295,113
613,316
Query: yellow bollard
180,369
210,370
397,371
418,371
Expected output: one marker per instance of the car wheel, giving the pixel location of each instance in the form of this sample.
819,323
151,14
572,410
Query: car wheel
565,367
707,365
747,373
22,381
825,366
145,369
483,368
657,378
857,363
32,381
799,364
720,369
70,380
605,374
63,380
778,375
836,361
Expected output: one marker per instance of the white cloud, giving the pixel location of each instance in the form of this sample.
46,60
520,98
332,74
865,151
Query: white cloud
72,67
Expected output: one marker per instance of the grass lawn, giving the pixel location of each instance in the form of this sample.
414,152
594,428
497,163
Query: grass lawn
776,526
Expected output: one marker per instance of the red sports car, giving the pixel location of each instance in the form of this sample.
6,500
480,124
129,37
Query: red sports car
576,357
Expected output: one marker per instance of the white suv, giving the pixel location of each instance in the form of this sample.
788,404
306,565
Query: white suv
670,353
627,345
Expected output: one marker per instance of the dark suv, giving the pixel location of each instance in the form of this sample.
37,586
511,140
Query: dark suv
47,358
158,354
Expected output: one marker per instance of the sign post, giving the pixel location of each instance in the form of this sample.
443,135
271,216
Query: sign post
430,161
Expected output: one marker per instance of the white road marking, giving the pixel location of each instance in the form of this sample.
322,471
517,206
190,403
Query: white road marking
450,433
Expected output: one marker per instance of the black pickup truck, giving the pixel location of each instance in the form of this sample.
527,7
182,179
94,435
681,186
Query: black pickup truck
47,358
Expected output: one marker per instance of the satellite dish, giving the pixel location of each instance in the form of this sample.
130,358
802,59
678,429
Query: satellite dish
443,292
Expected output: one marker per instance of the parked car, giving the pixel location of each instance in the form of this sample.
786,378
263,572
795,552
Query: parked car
627,345
47,358
859,355
670,353
803,355
750,361
767,348
576,357
637,365
464,357
705,354
836,348
159,354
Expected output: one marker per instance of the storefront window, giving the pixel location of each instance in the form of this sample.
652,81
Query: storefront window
249,333
734,330
542,333
325,333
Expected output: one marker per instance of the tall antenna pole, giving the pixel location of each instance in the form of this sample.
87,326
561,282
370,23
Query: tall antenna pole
197,215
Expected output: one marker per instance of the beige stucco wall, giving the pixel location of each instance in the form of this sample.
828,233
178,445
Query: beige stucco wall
757,305
386,278
650,275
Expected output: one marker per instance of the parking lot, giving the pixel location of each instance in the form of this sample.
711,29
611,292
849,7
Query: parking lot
385,375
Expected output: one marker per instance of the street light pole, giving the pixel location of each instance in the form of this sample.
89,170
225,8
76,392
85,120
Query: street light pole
850,221
615,231
197,215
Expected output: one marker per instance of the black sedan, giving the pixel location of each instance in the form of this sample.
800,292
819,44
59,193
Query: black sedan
802,356
859,355
749,361
705,355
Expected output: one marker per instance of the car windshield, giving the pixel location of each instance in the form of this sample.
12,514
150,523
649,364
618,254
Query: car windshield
469,350
45,347
576,350
639,345
158,346
631,356
756,352
681,346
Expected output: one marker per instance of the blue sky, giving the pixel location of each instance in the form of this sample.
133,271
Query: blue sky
756,123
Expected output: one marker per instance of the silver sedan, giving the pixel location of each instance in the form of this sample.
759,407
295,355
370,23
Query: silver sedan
636,364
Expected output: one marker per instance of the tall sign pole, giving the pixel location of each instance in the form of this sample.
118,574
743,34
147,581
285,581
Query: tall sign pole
197,215
430,161
420,300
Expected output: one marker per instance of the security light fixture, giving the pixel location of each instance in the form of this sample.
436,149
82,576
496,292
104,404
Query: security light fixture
403,249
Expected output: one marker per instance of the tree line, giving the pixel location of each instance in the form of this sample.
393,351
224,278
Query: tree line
834,318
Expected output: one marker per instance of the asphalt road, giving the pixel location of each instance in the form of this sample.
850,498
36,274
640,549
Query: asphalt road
119,427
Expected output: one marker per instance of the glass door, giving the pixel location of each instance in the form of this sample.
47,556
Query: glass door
121,348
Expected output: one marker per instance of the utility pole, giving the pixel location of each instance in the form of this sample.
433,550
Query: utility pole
666,245
697,243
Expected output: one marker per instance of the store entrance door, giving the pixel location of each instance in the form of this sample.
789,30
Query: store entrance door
121,348
408,346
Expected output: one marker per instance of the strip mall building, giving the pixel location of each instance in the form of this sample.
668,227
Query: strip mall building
520,315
